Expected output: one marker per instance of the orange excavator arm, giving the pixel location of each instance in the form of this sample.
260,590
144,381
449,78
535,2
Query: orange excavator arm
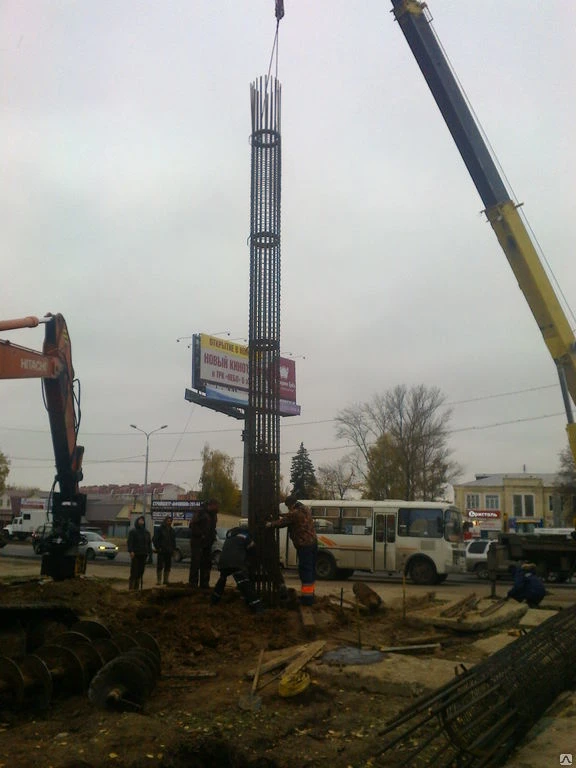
22,363
54,366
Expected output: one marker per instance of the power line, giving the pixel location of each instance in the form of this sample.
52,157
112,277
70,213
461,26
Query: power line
285,425
503,394
137,459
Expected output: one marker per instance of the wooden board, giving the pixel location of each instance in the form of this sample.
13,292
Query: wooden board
303,659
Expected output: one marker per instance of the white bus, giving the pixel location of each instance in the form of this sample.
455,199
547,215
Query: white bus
422,539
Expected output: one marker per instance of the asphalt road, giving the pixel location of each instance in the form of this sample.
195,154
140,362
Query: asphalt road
22,553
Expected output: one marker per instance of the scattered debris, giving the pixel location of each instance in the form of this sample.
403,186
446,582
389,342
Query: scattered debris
366,596
461,607
295,680
426,647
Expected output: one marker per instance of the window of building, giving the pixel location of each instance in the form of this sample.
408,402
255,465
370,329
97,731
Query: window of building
472,501
492,501
523,504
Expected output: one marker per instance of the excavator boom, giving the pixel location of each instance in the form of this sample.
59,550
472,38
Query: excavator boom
54,366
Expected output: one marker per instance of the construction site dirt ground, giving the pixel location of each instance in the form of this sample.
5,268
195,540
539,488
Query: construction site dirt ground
197,721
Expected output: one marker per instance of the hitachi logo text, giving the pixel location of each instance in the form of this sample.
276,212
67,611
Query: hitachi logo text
34,365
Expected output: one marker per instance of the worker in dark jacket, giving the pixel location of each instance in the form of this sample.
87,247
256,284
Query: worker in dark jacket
139,548
202,535
234,561
302,532
527,586
164,541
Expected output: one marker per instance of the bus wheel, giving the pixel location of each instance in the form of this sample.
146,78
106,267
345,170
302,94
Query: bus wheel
423,571
325,567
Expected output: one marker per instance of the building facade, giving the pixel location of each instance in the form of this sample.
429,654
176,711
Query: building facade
513,502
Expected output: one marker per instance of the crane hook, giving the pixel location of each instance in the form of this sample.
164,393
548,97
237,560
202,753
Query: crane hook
279,9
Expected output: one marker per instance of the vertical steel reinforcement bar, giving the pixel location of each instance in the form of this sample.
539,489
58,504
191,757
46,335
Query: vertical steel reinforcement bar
262,431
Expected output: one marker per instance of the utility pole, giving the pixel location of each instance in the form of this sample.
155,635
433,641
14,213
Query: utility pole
144,504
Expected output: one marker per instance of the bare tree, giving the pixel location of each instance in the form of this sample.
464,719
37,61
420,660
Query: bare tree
4,471
217,480
335,480
566,484
402,442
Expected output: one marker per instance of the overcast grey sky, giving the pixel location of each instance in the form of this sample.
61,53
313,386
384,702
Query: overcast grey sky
125,206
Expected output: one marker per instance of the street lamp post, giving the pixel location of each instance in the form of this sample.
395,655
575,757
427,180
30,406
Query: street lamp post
146,465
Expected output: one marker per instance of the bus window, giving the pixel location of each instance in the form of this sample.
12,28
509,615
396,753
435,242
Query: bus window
356,521
426,523
333,517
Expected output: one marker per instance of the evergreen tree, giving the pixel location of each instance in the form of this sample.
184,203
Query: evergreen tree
302,475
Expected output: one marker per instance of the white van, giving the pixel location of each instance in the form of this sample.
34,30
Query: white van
33,513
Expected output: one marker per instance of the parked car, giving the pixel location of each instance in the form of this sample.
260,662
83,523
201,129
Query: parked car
477,557
38,535
182,551
94,545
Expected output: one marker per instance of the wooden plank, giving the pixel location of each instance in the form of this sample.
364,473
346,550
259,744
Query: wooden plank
404,648
460,605
307,616
280,659
494,607
303,659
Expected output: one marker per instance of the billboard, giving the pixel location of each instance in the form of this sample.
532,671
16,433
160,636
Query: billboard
177,509
220,369
485,519
239,397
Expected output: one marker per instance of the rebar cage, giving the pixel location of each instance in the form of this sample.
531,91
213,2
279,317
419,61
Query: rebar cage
262,431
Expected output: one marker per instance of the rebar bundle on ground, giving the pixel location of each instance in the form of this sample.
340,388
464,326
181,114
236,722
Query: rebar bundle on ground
478,719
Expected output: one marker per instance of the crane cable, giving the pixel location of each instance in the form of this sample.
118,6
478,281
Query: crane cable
279,11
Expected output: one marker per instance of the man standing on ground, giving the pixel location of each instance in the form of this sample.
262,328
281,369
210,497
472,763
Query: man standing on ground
301,529
202,535
164,543
139,548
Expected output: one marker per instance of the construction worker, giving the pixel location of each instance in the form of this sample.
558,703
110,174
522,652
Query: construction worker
234,561
202,535
527,586
164,541
140,548
301,530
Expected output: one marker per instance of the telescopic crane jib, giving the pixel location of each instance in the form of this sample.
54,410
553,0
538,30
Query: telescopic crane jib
501,211
54,366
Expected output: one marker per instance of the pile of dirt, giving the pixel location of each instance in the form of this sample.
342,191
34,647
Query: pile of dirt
192,717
